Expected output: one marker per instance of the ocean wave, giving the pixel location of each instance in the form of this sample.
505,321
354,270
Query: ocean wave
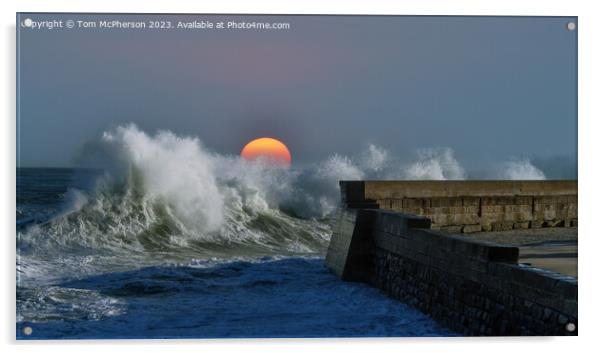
165,197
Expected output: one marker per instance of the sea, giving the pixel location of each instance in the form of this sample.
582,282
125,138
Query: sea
170,240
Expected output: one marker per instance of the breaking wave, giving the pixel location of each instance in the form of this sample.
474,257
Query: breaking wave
167,224
520,169
165,197
436,164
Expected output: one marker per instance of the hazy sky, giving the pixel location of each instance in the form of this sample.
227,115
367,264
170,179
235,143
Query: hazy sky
488,87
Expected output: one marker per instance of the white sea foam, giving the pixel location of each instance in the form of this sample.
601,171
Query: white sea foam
175,169
520,169
168,197
435,164
172,227
375,159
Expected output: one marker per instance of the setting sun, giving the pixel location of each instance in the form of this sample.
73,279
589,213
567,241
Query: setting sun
268,148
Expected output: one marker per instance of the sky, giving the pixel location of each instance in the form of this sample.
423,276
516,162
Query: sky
491,88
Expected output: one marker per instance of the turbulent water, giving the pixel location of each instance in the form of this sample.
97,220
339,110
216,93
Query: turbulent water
170,240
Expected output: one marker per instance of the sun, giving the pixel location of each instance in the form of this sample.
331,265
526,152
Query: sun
268,149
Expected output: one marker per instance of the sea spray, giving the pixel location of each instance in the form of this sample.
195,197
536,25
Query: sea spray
169,193
435,164
375,159
520,169
168,226
175,169
163,197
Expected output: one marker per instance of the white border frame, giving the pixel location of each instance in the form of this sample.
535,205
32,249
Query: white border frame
589,170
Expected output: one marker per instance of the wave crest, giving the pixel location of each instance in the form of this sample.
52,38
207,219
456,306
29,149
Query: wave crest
170,196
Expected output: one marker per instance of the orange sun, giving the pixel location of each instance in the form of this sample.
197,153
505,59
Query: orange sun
269,149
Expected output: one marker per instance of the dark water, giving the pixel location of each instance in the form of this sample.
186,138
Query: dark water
41,191
98,261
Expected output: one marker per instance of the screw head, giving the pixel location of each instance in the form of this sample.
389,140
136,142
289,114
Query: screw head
570,327
571,26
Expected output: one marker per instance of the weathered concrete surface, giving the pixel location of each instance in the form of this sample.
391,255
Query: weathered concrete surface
471,206
553,249
381,189
522,237
473,287
350,249
557,257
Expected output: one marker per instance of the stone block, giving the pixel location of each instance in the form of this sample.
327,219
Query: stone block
572,210
471,201
419,211
521,225
440,220
471,228
385,203
550,200
451,229
492,217
486,209
501,226
463,219
462,209
517,217
552,223
396,204
416,202
517,208
446,201
506,200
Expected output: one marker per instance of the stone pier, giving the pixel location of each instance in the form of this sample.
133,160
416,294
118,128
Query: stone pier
472,206
395,236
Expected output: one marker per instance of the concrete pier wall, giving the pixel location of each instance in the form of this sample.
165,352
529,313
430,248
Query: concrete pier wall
471,206
472,287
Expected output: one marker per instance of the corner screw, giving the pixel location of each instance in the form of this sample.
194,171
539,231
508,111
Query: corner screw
571,26
570,327
27,330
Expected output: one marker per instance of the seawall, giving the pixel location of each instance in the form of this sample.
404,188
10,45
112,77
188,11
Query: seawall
471,206
472,287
